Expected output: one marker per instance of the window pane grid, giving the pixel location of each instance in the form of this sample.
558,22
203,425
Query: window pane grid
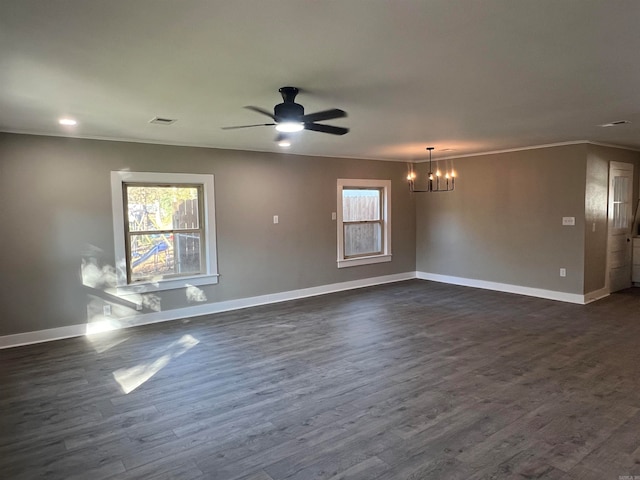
160,232
164,234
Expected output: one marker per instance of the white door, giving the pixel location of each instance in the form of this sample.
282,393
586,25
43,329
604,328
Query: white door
620,219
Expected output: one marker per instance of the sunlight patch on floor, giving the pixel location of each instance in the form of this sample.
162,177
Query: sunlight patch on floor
101,324
131,378
104,343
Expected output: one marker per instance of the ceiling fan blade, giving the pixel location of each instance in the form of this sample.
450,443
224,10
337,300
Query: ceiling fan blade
317,127
248,126
262,111
324,115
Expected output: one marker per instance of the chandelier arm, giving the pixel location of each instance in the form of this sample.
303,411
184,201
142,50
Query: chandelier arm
450,185
450,188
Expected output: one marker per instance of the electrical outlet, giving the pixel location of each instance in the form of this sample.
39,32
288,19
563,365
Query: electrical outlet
106,310
568,221
563,272
333,215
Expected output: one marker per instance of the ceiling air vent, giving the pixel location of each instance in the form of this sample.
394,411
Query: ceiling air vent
163,121
615,124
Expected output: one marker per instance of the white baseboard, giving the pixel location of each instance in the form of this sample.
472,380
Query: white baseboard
112,323
504,287
596,295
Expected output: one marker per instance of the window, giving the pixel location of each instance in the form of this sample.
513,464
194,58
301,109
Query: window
364,222
621,203
164,230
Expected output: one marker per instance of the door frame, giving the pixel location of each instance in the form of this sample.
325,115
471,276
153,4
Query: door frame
620,166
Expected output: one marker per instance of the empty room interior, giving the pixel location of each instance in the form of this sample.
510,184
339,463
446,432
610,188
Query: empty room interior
292,239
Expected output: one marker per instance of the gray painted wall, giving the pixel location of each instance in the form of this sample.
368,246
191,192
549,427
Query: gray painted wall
595,226
503,223
56,200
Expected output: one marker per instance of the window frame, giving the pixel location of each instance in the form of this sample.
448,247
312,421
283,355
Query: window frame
209,263
380,222
384,186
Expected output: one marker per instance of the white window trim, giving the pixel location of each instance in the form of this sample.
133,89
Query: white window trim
385,256
210,276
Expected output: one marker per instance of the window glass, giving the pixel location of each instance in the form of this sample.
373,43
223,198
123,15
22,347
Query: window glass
360,204
156,208
621,209
164,235
362,239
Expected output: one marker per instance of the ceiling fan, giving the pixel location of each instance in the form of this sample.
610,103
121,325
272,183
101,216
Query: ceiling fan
289,117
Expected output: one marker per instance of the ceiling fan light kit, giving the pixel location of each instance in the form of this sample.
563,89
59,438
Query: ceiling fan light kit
435,181
289,117
290,127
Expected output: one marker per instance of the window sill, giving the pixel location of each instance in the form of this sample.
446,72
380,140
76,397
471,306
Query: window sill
354,262
170,284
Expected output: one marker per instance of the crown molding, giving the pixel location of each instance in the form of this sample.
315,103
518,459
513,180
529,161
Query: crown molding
532,147
402,160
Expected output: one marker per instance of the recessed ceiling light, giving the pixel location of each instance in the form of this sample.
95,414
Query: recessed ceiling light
615,124
70,122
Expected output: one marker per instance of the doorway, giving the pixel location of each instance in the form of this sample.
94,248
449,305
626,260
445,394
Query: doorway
619,226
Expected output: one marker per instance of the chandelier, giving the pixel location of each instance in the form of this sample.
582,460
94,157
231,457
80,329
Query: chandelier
436,181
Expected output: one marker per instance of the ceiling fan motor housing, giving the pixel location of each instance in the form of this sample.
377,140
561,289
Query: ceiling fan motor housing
289,116
288,111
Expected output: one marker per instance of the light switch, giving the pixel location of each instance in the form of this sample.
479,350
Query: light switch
333,215
275,219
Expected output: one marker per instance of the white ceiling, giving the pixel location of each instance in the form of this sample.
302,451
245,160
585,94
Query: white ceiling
470,76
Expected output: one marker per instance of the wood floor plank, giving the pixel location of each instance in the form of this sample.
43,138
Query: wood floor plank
411,380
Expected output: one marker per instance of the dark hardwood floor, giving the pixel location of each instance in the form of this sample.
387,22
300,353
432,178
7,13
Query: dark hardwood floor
412,380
